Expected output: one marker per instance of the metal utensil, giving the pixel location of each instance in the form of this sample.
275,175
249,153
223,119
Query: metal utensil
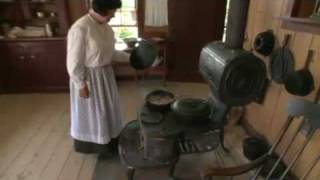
316,100
312,114
296,108
315,162
301,82
282,61
275,145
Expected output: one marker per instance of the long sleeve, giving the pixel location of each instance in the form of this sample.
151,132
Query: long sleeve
76,54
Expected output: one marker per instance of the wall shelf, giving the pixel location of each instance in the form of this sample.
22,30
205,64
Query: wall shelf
301,24
297,17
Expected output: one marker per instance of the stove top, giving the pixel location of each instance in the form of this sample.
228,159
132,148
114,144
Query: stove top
159,124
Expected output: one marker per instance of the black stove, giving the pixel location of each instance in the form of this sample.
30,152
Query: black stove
157,139
236,78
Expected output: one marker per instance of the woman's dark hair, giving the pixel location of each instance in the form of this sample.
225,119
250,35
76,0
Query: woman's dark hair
102,6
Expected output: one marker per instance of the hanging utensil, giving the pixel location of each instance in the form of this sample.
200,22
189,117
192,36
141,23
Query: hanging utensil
312,116
285,151
296,108
297,155
275,145
305,175
264,43
282,62
301,82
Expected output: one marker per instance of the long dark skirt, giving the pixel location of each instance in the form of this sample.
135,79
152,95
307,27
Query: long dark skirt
93,148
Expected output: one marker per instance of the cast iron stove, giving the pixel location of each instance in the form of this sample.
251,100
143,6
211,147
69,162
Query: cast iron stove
236,78
157,139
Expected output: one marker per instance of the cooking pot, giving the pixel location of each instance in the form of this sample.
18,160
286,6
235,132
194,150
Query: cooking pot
253,148
143,55
264,43
165,106
192,111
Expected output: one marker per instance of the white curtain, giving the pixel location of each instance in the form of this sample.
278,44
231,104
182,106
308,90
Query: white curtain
156,13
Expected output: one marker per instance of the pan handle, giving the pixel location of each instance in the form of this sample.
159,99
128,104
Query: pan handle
286,40
317,98
309,59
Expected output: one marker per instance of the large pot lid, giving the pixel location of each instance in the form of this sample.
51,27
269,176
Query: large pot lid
190,108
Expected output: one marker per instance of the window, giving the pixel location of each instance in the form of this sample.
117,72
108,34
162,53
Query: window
124,23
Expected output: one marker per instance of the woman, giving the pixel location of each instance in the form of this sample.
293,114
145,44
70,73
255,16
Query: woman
95,112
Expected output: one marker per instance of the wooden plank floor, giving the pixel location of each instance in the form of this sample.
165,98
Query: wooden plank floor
34,132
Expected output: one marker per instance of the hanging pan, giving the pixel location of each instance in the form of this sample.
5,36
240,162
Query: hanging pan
282,62
301,83
264,43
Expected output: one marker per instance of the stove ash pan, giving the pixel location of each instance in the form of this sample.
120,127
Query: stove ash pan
236,77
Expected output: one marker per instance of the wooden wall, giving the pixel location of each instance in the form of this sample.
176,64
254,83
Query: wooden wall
268,118
77,8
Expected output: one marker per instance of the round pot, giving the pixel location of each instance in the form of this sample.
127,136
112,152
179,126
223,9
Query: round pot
192,111
254,148
264,43
143,55
159,100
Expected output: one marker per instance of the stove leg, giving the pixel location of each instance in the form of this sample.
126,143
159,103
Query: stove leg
173,168
130,173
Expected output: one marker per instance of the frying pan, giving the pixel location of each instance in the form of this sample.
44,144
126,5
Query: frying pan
282,62
301,83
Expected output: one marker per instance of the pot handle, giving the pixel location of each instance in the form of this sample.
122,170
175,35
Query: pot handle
317,98
286,40
309,59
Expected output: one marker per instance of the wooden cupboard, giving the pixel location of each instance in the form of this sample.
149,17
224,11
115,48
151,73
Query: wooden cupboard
34,66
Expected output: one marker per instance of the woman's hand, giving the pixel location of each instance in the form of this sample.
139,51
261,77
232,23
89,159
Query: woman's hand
84,92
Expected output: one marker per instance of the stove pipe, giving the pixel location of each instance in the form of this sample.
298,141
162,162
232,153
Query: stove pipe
236,24
236,77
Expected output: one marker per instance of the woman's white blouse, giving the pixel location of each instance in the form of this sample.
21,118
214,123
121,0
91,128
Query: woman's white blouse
90,44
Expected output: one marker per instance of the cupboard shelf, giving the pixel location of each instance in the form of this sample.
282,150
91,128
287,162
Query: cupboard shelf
34,64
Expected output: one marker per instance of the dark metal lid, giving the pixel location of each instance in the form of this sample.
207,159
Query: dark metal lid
190,108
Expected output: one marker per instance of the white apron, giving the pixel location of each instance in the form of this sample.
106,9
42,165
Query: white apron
98,118
90,53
